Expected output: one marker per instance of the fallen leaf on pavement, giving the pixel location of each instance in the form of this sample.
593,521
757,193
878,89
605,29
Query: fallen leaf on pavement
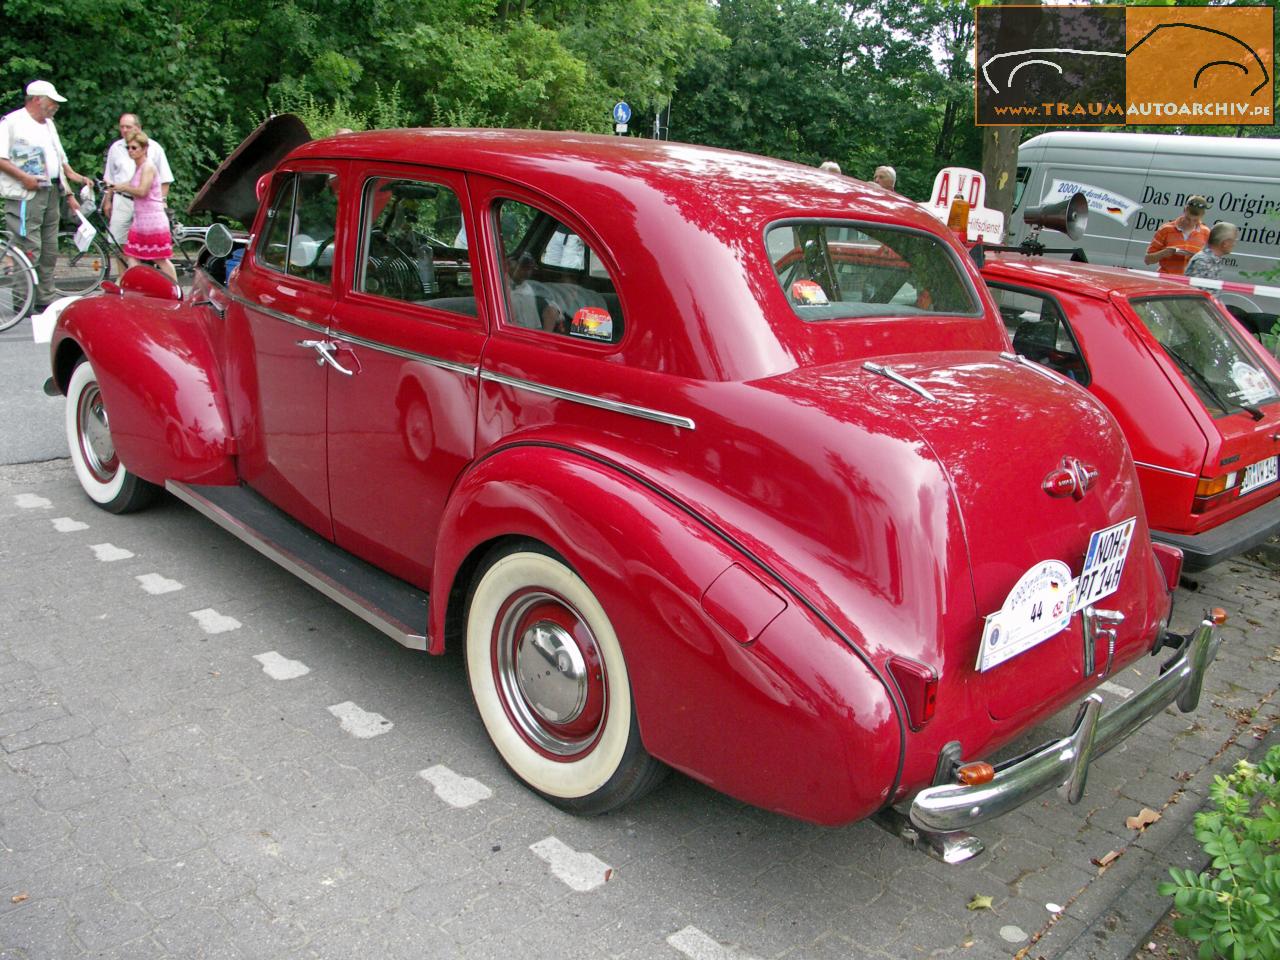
1145,818
19,897
1105,860
979,902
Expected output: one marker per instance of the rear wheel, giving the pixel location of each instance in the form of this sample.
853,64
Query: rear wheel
93,451
80,271
17,285
550,683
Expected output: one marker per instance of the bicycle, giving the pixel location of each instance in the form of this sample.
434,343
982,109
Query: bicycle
17,283
83,271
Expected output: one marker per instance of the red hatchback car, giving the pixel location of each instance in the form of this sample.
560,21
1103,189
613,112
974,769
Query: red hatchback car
607,414
1198,398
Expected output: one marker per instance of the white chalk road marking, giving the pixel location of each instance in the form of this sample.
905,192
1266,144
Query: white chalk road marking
361,724
211,621
155,584
1115,688
579,871
453,788
67,525
109,552
696,945
31,501
281,668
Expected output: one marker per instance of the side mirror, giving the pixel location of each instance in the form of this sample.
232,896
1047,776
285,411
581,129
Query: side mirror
218,241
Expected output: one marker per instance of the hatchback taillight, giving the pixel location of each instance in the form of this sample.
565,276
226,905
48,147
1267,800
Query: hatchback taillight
1214,492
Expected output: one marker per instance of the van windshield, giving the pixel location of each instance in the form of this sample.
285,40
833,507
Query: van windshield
837,270
1226,375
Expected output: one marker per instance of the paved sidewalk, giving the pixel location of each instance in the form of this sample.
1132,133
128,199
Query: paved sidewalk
200,757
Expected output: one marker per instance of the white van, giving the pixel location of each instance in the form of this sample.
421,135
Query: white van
1135,182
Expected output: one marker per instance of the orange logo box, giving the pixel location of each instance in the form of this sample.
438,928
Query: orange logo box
1199,65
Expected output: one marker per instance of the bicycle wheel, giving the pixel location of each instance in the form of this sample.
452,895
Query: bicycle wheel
186,253
17,285
76,271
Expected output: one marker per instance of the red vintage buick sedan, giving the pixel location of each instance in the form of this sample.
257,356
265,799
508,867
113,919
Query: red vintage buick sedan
688,492
1198,398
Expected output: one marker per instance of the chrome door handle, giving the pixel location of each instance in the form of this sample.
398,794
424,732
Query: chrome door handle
324,354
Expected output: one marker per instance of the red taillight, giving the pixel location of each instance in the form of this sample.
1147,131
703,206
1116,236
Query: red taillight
919,686
1169,559
1214,492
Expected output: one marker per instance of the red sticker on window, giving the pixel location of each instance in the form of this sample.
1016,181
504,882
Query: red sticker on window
808,293
593,322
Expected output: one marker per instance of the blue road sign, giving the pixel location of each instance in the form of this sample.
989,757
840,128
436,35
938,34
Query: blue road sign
621,112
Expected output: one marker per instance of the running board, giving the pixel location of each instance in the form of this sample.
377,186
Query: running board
376,597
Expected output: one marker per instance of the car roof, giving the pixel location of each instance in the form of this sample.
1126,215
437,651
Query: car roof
727,185
1087,279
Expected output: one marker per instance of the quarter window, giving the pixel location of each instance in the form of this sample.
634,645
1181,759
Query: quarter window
554,281
415,245
1040,331
298,239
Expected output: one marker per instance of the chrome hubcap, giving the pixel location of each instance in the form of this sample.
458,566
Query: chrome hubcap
96,445
550,674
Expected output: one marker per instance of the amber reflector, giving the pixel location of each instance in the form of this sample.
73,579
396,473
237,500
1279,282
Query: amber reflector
1218,616
919,686
975,773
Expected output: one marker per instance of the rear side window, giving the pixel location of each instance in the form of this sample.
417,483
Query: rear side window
1226,376
832,270
299,234
415,245
1040,331
554,281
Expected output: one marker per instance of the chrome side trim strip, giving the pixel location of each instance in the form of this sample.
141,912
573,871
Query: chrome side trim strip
615,406
1176,473
469,370
401,633
278,315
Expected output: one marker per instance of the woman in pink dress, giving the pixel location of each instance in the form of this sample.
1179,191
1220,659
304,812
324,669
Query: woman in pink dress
149,233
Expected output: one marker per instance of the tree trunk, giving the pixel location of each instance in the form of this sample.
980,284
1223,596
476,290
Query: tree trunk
1000,153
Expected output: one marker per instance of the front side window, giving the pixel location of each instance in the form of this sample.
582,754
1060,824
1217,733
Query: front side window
554,281
1225,375
299,235
831,271
415,245
1040,331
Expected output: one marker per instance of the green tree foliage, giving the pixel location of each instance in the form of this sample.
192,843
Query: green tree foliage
862,83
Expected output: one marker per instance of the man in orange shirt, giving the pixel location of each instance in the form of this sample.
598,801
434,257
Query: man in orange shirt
1179,240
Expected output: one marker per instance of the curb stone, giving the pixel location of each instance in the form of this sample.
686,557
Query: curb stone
1135,909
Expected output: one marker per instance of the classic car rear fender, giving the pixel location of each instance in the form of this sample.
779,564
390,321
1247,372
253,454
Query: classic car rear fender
158,371
737,682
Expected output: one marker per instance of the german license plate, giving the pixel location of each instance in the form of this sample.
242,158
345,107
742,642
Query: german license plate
1259,474
1103,563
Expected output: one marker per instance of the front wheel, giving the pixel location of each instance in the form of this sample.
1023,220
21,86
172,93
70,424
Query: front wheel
93,451
550,683
80,271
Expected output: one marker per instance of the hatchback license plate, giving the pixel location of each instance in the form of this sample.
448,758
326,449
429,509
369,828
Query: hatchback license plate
1259,474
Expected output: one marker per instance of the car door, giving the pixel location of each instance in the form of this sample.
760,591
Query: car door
284,295
402,398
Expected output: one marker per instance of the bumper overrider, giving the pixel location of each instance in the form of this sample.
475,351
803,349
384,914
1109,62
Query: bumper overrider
950,807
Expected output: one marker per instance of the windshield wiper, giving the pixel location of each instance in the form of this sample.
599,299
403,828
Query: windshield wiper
1222,402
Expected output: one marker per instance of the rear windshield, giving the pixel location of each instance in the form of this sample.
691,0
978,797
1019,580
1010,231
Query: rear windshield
837,270
1224,373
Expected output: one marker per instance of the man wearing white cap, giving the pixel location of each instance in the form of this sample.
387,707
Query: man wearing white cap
33,178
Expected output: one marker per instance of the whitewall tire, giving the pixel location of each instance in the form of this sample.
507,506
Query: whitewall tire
93,451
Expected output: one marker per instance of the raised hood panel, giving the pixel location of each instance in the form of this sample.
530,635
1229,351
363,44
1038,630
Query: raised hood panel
231,191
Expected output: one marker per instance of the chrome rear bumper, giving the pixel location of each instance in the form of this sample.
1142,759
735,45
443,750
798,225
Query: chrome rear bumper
1065,762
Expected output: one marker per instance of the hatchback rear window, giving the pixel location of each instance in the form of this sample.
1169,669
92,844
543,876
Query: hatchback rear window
1226,376
837,270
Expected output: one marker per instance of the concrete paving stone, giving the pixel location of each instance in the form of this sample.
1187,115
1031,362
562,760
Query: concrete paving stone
24,826
40,765
438,859
144,948
51,731
70,794
259,932
205,882
503,909
242,805
443,897
142,881
40,931
199,934
88,758
343,893
113,840
23,718
181,738
102,921
52,872
386,859
119,801
164,836
931,932
181,775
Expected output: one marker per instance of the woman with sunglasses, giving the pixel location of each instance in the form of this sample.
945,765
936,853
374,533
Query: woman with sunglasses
149,237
